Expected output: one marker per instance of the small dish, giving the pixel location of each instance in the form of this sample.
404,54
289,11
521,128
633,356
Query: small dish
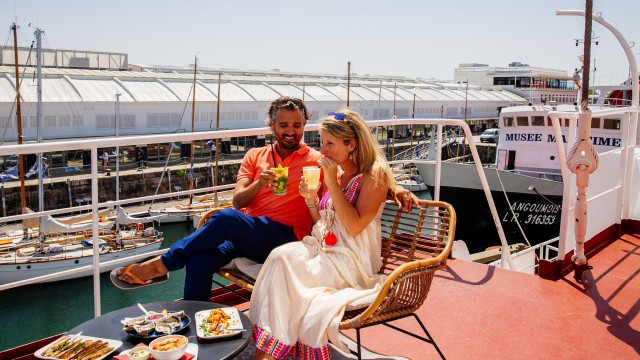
169,347
139,353
155,317
203,326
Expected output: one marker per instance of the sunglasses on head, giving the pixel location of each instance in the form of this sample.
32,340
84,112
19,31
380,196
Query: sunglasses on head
286,102
343,116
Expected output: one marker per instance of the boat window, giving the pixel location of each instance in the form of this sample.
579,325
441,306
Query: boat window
566,122
550,123
522,121
611,124
537,121
508,121
595,123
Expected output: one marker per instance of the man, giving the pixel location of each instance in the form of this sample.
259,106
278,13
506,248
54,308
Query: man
268,222
105,160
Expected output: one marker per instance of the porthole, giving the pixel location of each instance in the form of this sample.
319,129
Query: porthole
17,267
552,157
77,262
28,266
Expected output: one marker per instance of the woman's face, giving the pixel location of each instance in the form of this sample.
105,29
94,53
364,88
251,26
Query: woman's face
334,148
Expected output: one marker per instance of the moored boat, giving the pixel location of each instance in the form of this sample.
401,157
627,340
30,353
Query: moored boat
525,181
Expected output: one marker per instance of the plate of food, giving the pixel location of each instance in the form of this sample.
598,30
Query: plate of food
155,325
218,323
78,347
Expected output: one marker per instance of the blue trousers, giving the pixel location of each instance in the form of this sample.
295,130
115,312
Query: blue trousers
227,235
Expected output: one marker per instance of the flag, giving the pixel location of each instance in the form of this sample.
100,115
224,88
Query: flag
34,170
9,174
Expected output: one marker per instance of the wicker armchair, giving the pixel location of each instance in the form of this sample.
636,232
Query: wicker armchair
414,246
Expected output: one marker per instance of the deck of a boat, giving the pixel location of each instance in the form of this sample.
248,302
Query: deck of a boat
476,311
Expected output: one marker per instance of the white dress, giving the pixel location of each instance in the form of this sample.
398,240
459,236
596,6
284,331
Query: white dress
304,287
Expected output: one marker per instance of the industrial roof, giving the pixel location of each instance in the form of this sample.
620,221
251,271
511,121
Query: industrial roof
168,85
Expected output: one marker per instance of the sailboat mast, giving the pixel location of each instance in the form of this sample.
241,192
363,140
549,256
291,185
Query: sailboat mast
117,120
40,123
193,115
348,81
217,143
23,197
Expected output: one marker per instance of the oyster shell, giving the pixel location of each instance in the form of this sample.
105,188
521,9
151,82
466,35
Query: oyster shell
172,321
163,327
129,323
178,314
145,329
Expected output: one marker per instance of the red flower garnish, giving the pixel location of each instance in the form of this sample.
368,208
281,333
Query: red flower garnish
330,239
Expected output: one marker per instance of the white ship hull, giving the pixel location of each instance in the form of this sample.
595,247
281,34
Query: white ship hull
15,269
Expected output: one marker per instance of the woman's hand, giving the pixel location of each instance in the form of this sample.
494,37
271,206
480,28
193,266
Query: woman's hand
309,195
405,199
330,169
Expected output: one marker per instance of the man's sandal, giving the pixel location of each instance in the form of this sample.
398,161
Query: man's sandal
116,273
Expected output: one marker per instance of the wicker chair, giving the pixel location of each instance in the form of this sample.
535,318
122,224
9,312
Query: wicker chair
414,246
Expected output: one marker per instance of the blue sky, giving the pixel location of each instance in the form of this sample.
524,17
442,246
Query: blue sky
425,39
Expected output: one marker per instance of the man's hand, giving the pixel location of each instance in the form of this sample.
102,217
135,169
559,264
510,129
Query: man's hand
405,198
267,179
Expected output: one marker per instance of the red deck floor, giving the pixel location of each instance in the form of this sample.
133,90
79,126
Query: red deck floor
476,311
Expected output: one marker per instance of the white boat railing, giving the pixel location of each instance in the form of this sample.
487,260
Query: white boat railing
94,144
542,252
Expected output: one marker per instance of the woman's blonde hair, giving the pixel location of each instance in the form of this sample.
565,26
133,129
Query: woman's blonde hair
367,155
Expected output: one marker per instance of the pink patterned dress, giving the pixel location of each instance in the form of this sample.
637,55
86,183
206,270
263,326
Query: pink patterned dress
304,288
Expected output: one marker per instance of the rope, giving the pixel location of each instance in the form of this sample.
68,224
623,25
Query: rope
162,175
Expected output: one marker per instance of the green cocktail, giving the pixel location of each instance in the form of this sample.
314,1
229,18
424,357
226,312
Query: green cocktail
282,175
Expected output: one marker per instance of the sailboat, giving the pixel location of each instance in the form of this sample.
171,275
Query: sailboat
197,205
47,244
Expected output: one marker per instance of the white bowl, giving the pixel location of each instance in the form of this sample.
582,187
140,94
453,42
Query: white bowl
154,317
174,353
139,353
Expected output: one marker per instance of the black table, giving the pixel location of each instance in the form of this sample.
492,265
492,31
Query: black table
109,326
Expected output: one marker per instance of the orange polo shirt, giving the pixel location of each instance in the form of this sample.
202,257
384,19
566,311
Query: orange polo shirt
289,209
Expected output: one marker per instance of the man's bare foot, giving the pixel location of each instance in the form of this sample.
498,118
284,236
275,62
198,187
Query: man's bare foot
144,271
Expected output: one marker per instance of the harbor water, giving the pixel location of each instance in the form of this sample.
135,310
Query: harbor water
34,312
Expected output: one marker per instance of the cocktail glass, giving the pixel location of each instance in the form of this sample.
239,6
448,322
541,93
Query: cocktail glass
282,175
312,176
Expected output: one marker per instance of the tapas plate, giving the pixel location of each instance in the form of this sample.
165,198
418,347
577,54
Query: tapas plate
111,346
184,322
232,324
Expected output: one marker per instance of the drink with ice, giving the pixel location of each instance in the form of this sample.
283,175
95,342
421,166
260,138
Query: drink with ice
311,176
282,175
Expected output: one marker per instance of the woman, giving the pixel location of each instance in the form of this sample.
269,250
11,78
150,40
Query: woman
303,288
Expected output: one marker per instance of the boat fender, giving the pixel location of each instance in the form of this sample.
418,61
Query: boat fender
150,231
460,251
55,248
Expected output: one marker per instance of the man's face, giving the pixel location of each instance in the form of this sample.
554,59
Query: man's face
288,128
